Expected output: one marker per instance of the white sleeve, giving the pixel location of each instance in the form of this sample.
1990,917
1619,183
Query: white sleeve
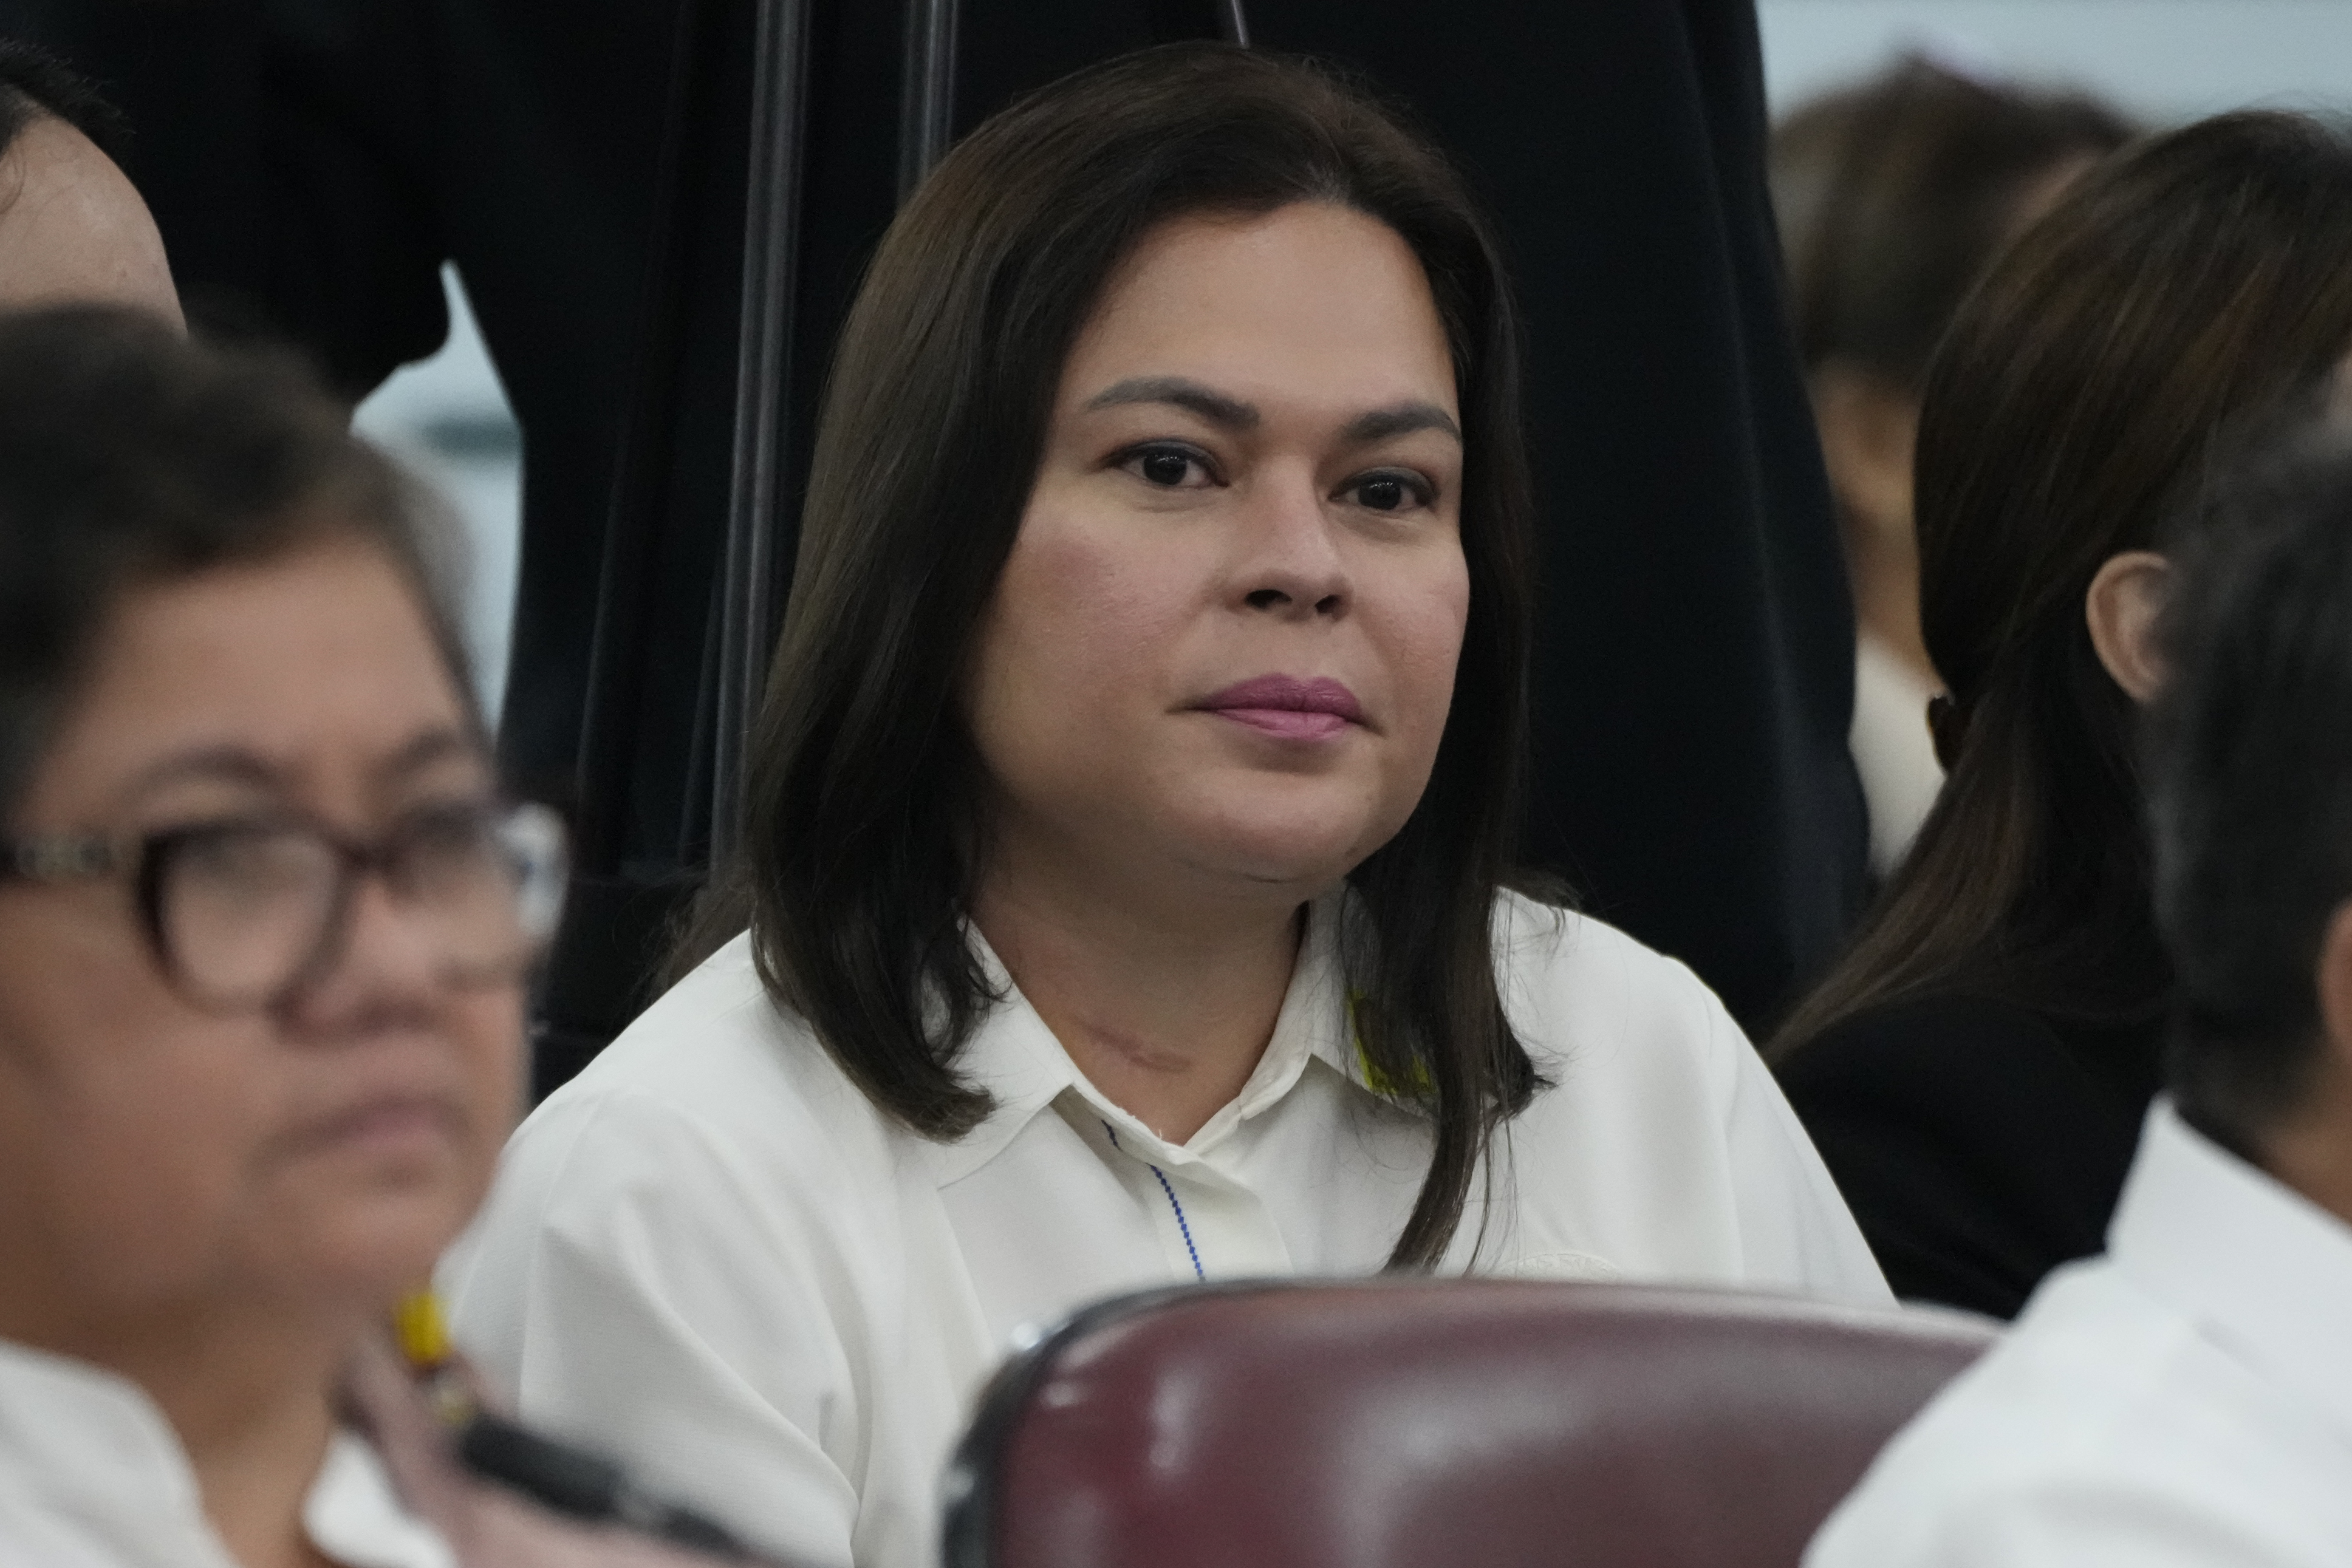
2062,1521
1796,1232
630,1291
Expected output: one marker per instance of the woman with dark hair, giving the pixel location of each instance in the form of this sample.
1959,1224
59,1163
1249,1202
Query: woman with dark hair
1976,1069
1894,195
1127,838
264,925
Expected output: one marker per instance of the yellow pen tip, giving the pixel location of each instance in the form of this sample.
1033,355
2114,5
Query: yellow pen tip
423,1332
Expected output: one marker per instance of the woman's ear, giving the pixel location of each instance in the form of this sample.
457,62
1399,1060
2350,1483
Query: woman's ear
2121,609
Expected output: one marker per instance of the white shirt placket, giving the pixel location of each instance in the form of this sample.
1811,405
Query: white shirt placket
1210,1225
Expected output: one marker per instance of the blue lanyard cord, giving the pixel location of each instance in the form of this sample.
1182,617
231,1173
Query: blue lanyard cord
1183,1223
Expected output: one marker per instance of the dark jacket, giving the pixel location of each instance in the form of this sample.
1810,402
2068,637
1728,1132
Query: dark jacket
1979,1143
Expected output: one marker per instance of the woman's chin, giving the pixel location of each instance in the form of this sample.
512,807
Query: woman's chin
376,1251
1303,855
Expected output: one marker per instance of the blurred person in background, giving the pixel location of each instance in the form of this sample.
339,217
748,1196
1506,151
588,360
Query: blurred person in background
1976,1069
1130,879
264,925
1893,196
71,227
2187,1399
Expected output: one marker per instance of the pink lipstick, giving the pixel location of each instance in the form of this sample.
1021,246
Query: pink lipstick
1288,707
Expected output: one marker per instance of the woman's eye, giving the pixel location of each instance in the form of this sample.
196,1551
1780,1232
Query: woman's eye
1388,492
1169,467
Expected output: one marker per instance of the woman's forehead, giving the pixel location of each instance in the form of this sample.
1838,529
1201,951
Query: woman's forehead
1310,301
319,670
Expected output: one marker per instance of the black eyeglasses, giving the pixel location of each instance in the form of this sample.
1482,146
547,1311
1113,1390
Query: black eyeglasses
242,911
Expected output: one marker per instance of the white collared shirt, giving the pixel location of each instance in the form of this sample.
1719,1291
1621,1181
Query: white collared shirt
2186,1399
92,1476
710,1254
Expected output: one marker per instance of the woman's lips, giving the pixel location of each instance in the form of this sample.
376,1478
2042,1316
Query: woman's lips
1288,707
382,1123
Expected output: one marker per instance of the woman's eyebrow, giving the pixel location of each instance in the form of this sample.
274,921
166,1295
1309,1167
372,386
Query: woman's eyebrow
1399,419
235,765
433,745
219,764
1232,413
1190,396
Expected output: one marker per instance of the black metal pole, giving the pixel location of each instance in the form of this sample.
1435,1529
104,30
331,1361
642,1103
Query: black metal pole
771,252
640,480
926,90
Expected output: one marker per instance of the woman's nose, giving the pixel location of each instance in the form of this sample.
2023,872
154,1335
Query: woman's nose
385,956
1291,559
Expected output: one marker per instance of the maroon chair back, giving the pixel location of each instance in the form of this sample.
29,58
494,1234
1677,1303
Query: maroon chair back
1427,1424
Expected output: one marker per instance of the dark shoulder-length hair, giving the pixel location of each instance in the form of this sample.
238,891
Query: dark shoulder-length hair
862,833
132,456
2190,287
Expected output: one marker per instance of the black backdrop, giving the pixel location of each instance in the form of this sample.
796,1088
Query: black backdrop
312,162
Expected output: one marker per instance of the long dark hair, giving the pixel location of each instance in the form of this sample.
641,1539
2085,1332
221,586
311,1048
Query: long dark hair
2192,285
862,834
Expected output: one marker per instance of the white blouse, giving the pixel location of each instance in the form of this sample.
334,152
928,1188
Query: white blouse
2184,1401
710,1254
92,1476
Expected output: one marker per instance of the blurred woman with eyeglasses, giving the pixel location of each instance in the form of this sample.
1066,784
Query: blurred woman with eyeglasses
265,926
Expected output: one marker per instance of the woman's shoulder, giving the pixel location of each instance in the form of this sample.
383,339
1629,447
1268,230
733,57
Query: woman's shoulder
1550,957
1924,1040
1973,1143
1537,935
1659,1142
1587,998
1977,1069
716,1034
713,1073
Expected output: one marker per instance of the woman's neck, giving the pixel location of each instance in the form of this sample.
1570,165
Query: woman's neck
1165,1010
251,1399
1885,568
256,1413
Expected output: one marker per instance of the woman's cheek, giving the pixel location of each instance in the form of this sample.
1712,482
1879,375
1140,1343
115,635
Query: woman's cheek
1087,605
1426,649
493,1028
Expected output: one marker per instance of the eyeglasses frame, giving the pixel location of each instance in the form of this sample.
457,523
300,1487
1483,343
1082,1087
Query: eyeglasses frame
63,859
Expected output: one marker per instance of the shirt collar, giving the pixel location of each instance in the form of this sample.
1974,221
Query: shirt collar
2265,1270
93,1437
90,1434
353,1515
1016,1058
